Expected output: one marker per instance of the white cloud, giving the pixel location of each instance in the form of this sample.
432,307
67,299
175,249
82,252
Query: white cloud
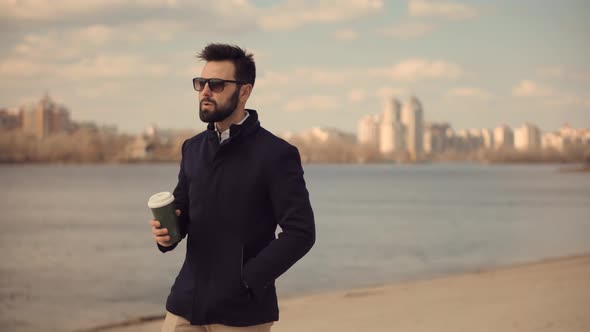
549,96
295,13
113,67
570,100
157,17
262,99
346,34
357,95
441,9
272,78
305,76
469,92
19,68
97,34
559,72
408,70
85,68
89,40
153,29
384,92
390,92
48,10
407,30
56,46
45,9
312,103
236,15
99,90
45,46
323,76
68,9
528,88
420,69
551,72
260,54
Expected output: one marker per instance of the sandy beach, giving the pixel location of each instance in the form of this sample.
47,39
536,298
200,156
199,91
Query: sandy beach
552,295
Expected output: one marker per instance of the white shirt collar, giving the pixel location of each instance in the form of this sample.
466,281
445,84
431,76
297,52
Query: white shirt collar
225,134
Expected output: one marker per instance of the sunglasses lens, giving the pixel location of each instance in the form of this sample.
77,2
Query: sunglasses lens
199,83
216,85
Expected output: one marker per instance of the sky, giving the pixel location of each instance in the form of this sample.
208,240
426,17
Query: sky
473,64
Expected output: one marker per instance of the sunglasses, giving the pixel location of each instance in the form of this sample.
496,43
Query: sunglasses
215,84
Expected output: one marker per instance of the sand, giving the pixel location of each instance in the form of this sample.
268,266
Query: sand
553,295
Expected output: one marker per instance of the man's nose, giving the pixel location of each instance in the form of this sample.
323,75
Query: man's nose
206,90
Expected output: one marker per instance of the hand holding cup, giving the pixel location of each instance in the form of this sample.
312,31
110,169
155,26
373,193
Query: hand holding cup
165,228
161,234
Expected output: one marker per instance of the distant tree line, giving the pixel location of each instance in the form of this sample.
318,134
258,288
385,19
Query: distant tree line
571,154
83,146
92,146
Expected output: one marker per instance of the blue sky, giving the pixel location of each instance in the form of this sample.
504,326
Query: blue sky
475,64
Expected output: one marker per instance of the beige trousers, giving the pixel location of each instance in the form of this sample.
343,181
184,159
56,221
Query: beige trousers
173,323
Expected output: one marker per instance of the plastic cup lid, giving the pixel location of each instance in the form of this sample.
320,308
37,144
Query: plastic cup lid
160,199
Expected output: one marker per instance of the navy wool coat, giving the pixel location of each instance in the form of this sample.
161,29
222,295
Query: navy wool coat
232,196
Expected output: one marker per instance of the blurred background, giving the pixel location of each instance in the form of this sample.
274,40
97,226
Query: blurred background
438,137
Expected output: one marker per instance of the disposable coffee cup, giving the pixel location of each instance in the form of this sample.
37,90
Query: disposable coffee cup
163,210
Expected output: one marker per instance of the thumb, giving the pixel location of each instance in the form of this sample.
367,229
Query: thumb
178,212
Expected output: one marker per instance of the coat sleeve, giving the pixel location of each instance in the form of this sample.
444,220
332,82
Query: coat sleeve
293,212
181,202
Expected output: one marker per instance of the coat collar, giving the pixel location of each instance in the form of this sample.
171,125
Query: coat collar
237,132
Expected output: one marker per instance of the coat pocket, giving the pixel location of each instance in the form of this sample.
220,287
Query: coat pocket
242,280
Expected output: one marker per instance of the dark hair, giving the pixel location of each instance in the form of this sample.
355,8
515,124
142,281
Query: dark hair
242,60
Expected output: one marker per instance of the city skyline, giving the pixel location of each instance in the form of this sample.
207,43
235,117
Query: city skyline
45,131
402,129
473,64
60,115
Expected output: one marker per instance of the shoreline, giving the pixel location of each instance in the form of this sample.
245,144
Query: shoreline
567,165
326,309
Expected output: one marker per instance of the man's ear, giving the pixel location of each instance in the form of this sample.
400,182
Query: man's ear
245,91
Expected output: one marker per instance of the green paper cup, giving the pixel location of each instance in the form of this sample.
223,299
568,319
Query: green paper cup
162,206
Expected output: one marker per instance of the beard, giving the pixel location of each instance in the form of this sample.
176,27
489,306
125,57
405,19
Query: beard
219,113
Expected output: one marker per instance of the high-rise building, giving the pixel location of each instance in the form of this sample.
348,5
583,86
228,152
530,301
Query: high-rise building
488,138
503,137
574,136
45,118
552,141
435,138
451,140
391,129
60,120
527,137
476,139
463,140
9,119
566,137
368,131
412,119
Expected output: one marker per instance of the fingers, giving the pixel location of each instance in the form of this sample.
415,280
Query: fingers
159,231
161,234
178,213
163,240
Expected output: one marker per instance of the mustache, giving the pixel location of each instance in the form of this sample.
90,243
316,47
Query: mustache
208,100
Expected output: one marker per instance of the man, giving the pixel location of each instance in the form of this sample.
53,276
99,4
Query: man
237,182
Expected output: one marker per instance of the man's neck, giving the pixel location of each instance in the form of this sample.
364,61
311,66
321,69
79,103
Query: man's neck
237,116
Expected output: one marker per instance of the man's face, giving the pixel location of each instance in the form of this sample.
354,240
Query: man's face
218,106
